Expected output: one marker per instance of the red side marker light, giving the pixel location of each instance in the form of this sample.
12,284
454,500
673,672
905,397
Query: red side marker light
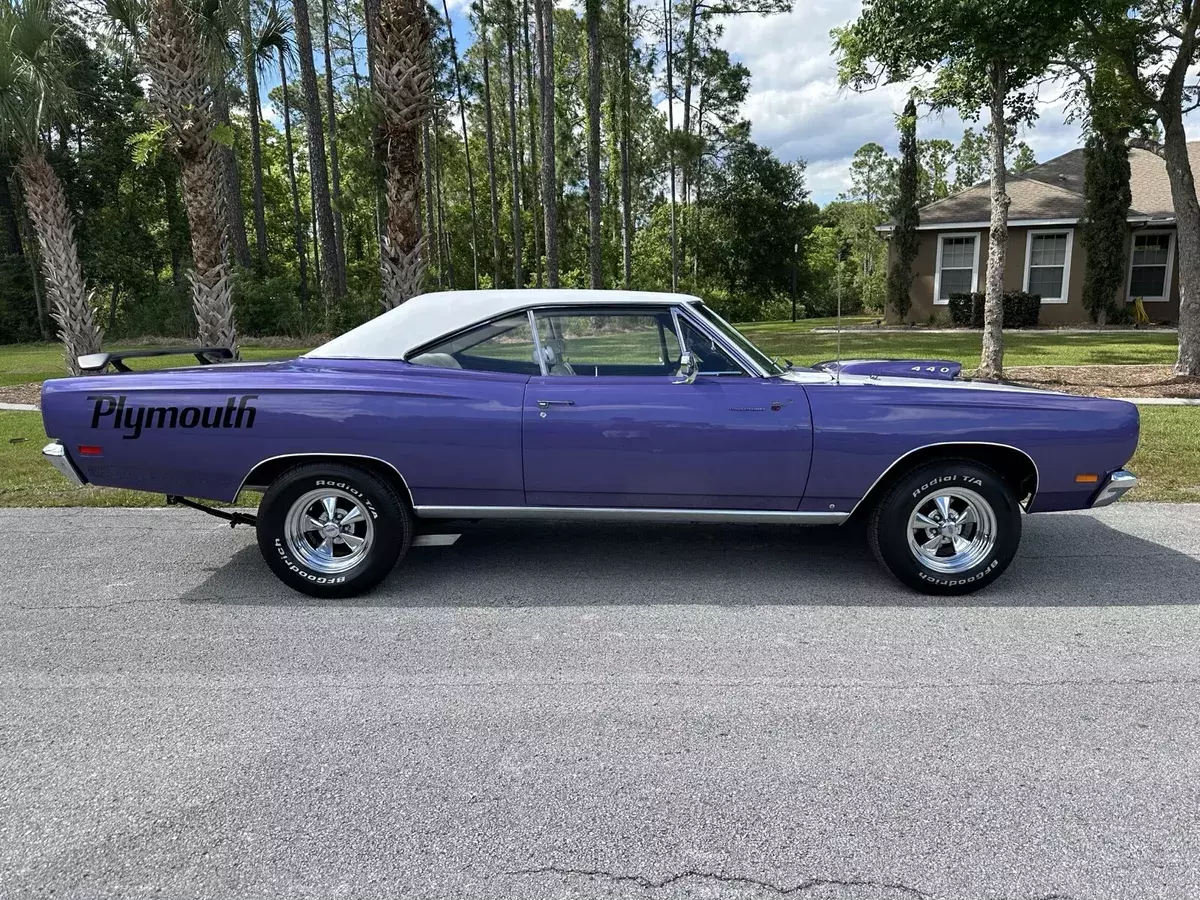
90,450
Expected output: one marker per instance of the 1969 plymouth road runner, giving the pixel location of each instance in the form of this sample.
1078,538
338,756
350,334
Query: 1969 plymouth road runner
588,405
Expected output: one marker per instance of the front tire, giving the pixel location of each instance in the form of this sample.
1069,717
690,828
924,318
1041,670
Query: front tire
331,530
948,527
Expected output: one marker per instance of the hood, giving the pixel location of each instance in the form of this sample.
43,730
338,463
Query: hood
937,369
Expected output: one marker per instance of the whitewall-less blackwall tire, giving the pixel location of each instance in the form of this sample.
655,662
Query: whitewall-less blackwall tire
332,530
947,527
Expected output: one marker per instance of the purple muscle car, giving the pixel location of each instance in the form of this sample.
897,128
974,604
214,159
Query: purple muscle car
588,405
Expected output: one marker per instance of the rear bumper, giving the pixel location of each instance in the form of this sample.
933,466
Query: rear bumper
1114,488
56,454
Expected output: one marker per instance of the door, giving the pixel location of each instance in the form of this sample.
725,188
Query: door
614,425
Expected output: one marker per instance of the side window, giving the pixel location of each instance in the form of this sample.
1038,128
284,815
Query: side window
709,354
598,342
502,346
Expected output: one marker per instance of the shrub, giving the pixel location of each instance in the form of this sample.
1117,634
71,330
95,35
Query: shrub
1021,309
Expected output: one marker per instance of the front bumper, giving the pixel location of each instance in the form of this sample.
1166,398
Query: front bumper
56,454
1114,488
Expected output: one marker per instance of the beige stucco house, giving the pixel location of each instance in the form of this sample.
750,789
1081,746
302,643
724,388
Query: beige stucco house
1044,251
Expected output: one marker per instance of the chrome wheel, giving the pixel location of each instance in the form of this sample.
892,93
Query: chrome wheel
952,530
329,530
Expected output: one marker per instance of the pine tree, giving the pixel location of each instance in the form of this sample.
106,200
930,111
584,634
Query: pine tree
905,238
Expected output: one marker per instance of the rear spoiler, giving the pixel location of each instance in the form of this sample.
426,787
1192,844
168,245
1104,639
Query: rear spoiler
95,363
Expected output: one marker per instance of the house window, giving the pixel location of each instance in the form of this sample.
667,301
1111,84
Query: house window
1150,265
957,266
1048,264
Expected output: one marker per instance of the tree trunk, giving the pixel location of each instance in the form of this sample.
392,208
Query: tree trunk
545,22
441,203
462,115
1187,217
318,172
669,29
514,157
31,257
250,64
490,133
991,363
298,223
232,184
535,202
595,261
8,211
70,301
433,242
626,132
318,256
335,175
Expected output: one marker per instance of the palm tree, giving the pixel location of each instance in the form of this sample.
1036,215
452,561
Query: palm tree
176,58
251,41
31,93
403,82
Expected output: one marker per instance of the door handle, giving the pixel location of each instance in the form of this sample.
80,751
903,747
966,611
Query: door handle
545,404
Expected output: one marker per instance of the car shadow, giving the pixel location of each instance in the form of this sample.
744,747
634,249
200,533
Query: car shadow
1065,560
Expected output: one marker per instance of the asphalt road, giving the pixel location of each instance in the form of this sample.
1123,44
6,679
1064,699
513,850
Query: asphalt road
569,712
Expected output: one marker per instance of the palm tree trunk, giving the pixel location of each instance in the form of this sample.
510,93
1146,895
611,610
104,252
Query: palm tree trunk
298,223
545,22
331,280
535,203
250,65
490,133
70,301
592,14
232,180
462,114
514,155
402,78
335,176
179,88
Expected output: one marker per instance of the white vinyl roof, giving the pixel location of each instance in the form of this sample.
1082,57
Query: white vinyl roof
426,318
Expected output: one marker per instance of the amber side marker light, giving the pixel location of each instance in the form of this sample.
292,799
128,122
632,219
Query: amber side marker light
1087,478
90,450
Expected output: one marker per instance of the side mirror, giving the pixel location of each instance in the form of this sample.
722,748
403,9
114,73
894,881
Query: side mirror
689,367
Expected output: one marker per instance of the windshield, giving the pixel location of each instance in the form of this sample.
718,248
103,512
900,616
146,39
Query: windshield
765,362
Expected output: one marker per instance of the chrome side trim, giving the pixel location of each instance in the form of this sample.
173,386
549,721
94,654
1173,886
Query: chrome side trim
56,454
1037,476
632,514
1119,482
263,462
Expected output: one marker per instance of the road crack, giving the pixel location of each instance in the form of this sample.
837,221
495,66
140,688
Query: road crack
749,881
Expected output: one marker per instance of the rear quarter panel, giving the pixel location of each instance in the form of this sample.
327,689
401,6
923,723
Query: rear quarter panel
454,436
861,429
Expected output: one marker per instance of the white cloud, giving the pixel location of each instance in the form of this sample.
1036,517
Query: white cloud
797,109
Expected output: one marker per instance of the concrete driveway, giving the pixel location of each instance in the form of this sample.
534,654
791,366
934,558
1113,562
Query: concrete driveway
570,712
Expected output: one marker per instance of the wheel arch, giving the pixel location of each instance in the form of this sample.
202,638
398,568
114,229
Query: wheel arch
1015,465
266,471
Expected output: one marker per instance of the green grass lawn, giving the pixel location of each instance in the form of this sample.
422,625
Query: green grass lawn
23,363
1036,348
1167,462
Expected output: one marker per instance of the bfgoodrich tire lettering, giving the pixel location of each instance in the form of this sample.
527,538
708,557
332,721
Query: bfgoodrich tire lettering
300,503
947,527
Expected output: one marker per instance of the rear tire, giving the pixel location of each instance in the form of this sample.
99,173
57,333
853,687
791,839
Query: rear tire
947,528
331,530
